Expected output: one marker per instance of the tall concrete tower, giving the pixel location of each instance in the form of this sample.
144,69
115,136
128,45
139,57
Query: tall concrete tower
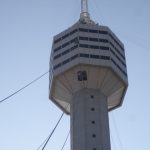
88,78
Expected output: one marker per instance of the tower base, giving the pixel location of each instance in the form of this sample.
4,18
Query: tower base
89,121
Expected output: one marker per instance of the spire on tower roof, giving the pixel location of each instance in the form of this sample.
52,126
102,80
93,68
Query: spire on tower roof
84,15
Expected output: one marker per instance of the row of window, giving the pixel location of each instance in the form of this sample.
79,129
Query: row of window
65,36
80,45
94,56
117,50
101,32
75,40
117,57
119,67
102,48
65,52
117,42
101,40
80,29
93,39
89,56
81,55
65,61
90,31
92,47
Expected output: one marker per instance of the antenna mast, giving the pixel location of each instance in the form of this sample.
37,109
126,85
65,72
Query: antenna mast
84,16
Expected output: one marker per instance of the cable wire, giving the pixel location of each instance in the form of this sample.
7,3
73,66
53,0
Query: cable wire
42,143
65,141
6,98
49,137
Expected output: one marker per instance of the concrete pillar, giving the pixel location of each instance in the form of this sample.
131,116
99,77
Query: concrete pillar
89,121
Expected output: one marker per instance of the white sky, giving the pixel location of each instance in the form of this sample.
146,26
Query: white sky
26,32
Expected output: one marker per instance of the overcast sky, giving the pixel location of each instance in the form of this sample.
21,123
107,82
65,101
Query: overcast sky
27,28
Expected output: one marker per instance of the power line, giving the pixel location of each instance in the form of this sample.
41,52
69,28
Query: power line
47,140
42,143
65,141
6,98
49,137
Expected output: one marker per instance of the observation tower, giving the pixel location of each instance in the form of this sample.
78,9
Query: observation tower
88,78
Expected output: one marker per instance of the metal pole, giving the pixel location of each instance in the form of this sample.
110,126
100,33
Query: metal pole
84,6
84,16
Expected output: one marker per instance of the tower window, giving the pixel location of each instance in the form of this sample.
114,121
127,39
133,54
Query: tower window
92,109
93,31
83,30
84,55
103,32
82,75
94,46
95,56
94,135
93,122
66,35
93,39
92,96
83,38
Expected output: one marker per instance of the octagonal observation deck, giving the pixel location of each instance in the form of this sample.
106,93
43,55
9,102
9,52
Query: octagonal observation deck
87,56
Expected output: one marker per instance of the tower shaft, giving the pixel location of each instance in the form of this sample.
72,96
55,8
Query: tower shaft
89,121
